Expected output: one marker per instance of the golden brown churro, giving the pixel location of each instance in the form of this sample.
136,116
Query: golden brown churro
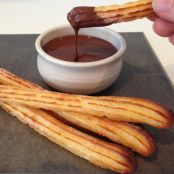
126,134
98,152
81,17
123,133
114,108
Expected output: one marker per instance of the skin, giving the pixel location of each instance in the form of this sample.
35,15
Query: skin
164,23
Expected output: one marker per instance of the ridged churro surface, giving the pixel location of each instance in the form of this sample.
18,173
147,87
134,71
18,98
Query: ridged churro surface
120,109
126,134
101,115
98,152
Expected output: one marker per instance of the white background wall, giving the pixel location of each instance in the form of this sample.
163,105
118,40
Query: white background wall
35,16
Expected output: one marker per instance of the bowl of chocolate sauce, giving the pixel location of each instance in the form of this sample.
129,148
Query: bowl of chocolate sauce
86,63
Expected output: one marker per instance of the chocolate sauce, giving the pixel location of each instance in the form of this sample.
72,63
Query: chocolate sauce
76,44
81,17
89,48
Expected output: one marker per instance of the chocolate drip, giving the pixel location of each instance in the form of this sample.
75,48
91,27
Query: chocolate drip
82,17
73,17
76,45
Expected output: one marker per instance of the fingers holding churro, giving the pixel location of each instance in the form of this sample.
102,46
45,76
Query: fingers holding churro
98,114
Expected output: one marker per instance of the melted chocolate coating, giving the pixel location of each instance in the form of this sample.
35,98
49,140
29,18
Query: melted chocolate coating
74,16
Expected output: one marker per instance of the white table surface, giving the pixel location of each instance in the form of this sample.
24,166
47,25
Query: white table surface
35,16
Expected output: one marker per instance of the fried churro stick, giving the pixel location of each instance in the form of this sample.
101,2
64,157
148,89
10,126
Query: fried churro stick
126,134
123,133
98,152
81,17
117,109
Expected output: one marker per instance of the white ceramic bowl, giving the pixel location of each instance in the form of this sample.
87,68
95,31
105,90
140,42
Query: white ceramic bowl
80,78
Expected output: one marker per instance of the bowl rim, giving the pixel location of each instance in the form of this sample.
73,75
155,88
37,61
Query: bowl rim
110,59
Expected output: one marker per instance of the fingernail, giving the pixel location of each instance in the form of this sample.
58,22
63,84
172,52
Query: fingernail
171,39
162,5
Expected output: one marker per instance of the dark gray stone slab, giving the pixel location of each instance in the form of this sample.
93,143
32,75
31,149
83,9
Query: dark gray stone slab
23,150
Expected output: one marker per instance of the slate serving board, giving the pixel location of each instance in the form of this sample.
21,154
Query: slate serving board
25,151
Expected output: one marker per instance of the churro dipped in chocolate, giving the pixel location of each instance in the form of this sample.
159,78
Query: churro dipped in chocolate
126,134
81,17
115,108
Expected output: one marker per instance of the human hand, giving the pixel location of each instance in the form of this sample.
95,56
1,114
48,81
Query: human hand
164,23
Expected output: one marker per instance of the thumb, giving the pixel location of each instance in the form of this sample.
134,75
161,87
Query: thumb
164,9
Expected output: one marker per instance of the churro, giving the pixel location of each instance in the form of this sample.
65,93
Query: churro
126,134
120,109
98,152
81,17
